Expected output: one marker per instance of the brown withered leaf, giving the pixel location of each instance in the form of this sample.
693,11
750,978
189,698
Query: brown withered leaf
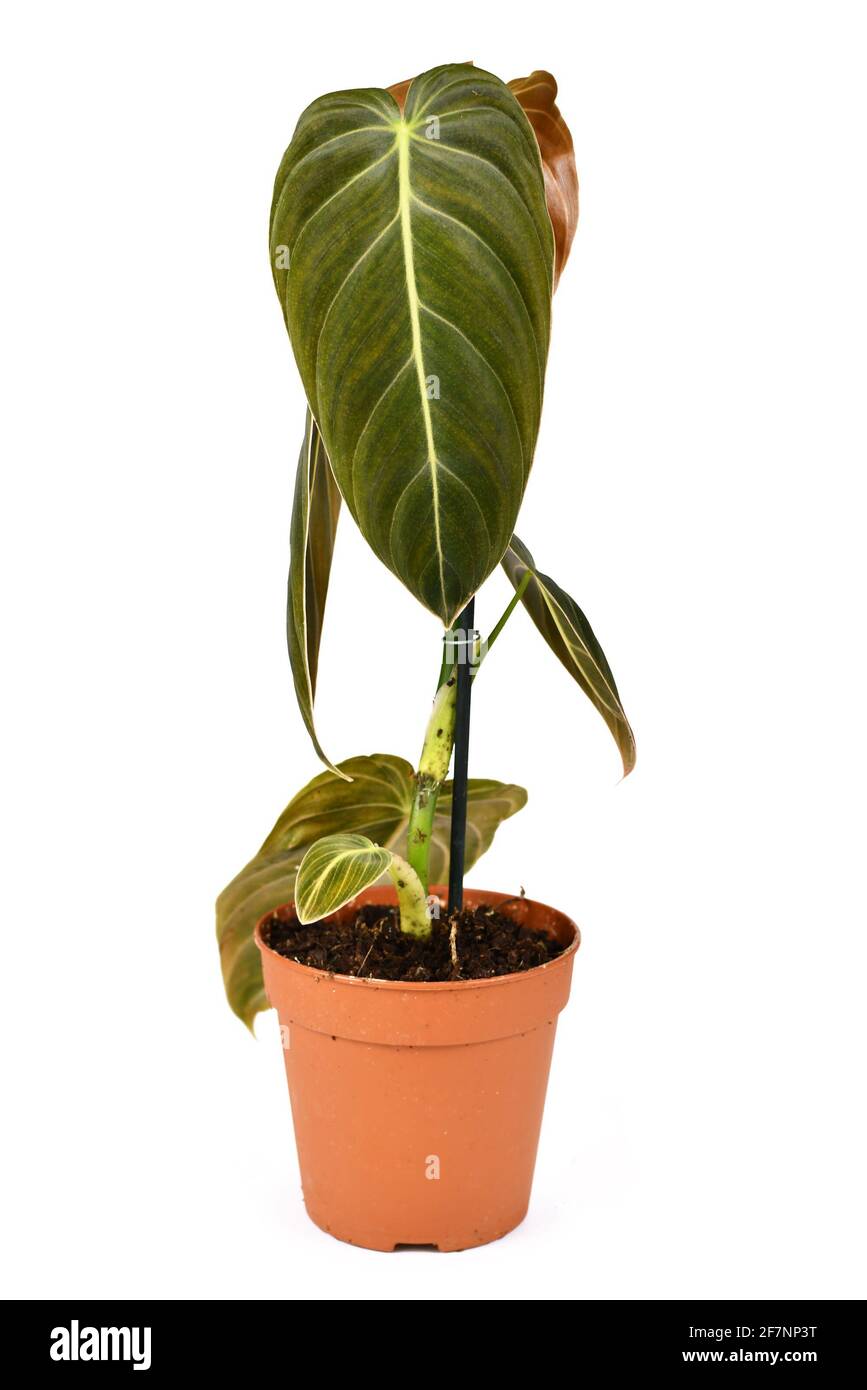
537,95
399,90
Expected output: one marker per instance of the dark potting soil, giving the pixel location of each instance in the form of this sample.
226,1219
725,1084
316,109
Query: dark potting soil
487,943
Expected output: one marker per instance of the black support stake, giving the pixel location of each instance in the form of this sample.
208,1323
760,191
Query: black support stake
462,749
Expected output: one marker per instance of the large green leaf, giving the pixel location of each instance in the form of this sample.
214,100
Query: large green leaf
376,803
311,544
571,638
413,257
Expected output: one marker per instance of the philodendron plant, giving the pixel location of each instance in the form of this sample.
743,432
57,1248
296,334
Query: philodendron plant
417,235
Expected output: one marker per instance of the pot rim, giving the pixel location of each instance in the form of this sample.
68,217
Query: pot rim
425,986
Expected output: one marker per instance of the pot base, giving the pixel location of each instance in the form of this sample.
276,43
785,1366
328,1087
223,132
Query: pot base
375,1241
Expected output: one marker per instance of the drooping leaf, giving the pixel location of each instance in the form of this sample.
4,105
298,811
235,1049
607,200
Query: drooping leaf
571,638
311,544
537,95
413,257
266,882
376,803
334,871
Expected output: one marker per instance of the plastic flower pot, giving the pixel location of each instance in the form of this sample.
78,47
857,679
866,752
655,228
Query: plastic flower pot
417,1107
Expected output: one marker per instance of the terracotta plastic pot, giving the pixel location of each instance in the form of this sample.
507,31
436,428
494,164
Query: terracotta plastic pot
417,1107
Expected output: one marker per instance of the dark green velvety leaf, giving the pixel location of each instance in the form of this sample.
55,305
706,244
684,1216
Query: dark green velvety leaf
413,257
571,638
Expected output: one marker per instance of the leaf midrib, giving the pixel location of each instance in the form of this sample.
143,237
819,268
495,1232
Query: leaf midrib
404,203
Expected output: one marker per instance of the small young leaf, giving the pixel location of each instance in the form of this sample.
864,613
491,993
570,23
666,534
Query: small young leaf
333,871
376,802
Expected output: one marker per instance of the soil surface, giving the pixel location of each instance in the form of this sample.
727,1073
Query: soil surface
486,943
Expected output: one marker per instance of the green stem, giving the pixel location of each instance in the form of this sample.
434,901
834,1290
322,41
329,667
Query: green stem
436,753
421,819
411,898
446,666
433,769
506,615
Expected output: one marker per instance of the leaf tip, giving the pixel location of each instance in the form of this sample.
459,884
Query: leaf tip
332,767
628,754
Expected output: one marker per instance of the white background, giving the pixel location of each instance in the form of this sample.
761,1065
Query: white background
698,489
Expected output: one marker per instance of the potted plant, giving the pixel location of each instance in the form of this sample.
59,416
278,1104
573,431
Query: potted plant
417,234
